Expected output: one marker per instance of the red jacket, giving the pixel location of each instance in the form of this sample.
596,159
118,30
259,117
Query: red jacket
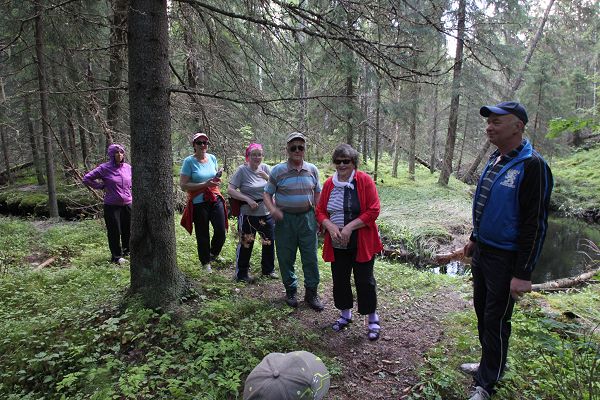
368,240
210,195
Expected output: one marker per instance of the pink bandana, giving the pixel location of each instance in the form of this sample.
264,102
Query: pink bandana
250,148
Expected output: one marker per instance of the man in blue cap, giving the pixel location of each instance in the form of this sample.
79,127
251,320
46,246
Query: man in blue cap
510,218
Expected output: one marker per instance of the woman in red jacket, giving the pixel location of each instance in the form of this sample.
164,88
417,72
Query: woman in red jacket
347,209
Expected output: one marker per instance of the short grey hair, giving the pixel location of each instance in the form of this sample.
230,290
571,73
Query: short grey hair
345,151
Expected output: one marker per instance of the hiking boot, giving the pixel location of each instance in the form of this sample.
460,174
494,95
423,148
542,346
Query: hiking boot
479,394
311,297
291,299
246,279
470,368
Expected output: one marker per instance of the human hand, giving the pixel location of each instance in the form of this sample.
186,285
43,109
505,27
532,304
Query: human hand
277,214
253,205
213,182
334,232
468,249
518,287
345,234
263,174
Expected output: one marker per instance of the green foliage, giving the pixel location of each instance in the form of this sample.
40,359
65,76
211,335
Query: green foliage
559,126
577,182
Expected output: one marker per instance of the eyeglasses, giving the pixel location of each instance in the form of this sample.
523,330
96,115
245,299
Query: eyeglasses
201,142
296,148
344,161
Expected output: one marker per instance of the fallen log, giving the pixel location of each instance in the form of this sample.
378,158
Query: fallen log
565,283
45,263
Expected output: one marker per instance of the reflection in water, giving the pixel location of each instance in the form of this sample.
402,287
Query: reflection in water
565,253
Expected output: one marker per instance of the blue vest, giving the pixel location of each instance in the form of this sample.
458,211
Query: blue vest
499,223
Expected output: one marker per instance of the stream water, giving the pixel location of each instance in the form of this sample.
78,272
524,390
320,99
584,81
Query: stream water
566,251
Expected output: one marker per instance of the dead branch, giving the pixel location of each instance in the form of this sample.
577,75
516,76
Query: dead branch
565,283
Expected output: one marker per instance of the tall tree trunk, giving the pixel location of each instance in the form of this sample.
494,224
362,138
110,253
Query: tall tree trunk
154,272
33,143
538,34
462,145
43,87
82,138
377,132
536,122
72,140
117,51
396,149
412,141
5,152
349,87
433,158
365,112
455,102
469,175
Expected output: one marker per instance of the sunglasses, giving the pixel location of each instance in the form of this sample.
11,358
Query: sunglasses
298,148
201,142
345,162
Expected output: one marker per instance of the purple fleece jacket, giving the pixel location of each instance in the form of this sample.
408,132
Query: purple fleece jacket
113,178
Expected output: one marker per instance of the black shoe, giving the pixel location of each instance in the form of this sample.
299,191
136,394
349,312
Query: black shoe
246,279
311,297
291,299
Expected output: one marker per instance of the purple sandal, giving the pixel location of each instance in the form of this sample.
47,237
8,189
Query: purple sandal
341,323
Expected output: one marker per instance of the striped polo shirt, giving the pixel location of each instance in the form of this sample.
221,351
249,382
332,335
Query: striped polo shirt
294,189
489,177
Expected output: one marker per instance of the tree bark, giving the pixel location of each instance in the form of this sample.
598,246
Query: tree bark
5,153
455,102
33,142
432,159
117,52
469,176
412,141
377,126
43,87
154,273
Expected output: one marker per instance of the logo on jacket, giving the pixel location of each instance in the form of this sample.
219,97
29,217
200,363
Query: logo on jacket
510,177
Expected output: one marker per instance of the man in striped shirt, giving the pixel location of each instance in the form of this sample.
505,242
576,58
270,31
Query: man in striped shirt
294,185
510,218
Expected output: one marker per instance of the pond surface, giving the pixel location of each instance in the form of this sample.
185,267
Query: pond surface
565,254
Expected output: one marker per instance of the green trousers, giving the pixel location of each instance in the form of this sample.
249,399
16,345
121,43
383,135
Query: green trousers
293,232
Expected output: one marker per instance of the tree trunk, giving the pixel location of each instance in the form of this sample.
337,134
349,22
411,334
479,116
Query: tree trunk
462,145
117,46
454,104
377,132
43,87
72,141
412,141
519,79
33,143
154,272
468,177
82,139
5,153
396,149
433,157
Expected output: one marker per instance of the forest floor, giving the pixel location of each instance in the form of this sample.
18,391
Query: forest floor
383,369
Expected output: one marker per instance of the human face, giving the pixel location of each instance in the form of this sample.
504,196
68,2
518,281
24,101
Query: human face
119,157
256,157
201,145
344,167
295,150
504,131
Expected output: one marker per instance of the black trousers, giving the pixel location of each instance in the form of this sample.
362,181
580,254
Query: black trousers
344,265
492,273
248,227
213,213
118,229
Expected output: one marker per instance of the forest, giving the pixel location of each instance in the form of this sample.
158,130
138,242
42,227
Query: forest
402,81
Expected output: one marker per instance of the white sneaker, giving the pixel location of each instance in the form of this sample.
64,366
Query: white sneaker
469,368
207,267
479,394
120,261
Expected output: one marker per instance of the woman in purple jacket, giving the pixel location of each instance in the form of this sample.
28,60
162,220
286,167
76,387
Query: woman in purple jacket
114,177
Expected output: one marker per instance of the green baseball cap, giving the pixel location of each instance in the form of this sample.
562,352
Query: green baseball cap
289,376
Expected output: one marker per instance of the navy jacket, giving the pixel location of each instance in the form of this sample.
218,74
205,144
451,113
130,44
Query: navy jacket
515,215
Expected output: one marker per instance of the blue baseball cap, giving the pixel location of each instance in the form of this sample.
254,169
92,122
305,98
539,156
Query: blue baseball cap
506,107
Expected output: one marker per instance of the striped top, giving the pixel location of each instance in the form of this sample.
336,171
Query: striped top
294,189
489,178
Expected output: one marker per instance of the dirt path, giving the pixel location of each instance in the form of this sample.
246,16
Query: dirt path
385,369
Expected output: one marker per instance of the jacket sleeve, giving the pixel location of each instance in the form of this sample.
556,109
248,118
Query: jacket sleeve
93,178
321,210
534,201
370,210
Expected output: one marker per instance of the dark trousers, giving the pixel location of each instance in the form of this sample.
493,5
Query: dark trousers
118,228
344,265
248,227
213,213
492,273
